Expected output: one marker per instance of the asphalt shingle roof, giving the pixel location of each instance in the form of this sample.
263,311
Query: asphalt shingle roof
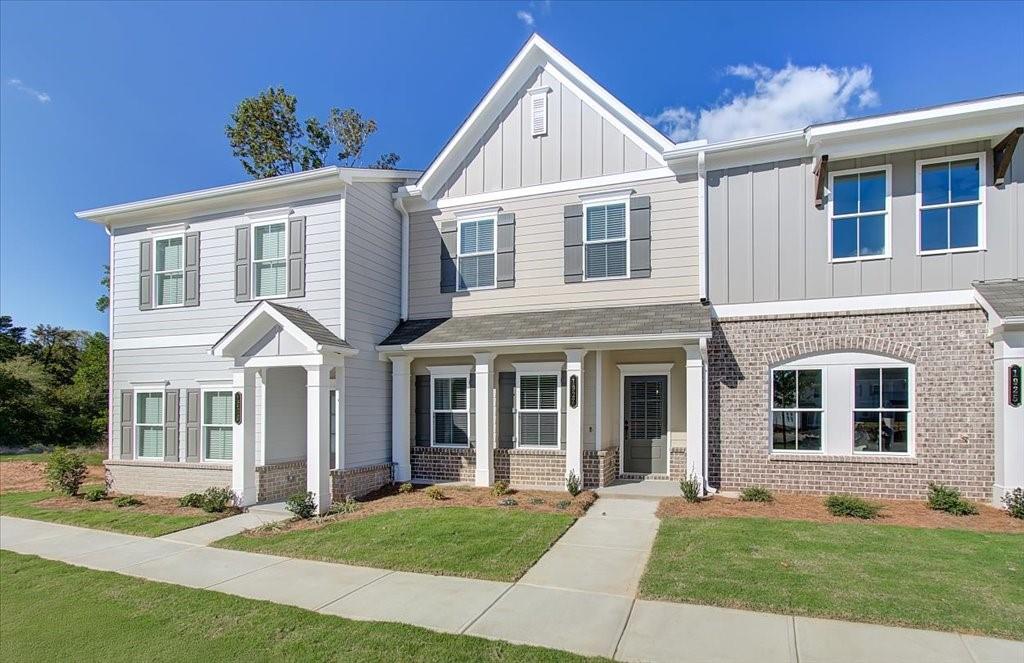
690,318
1005,296
310,325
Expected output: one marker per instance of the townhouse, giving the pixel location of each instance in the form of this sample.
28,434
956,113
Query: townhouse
566,292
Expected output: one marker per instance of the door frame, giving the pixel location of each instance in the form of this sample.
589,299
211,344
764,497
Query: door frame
644,370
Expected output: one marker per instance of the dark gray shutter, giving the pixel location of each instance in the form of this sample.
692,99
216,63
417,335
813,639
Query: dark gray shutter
297,256
639,237
422,410
192,427
191,269
171,425
506,260
449,250
145,274
506,409
573,218
471,395
127,429
243,283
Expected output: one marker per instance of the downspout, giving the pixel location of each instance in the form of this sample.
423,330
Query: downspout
706,469
400,206
702,227
110,345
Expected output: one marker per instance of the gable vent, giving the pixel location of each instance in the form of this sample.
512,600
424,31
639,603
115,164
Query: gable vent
539,111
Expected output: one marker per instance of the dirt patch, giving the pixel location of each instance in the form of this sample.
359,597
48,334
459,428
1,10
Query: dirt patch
389,499
162,506
812,508
25,476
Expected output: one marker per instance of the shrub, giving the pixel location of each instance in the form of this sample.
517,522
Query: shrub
301,504
1014,501
215,500
945,498
126,501
563,504
690,485
95,493
434,493
508,501
572,483
536,500
65,471
756,494
851,506
405,488
499,488
348,505
194,500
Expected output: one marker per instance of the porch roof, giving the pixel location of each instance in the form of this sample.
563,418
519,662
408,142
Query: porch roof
298,324
660,321
1005,296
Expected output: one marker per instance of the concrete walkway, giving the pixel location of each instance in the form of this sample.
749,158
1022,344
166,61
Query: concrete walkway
204,535
578,597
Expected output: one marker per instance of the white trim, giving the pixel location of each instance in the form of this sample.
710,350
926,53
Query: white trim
181,270
558,340
284,256
539,94
228,389
605,197
168,229
136,392
342,263
477,214
797,410
264,308
646,369
448,375
909,410
702,225
843,304
830,217
216,383
980,203
178,341
158,385
399,203
598,399
538,369
311,359
607,202
459,255
449,371
643,370
268,215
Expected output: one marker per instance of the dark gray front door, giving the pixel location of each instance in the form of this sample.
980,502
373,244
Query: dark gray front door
645,425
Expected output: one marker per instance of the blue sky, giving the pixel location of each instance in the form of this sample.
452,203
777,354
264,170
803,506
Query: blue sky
107,103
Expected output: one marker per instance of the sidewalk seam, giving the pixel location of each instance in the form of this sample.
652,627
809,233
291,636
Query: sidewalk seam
363,586
241,575
625,625
487,609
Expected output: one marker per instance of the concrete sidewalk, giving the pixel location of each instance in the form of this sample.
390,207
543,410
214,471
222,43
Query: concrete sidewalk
551,606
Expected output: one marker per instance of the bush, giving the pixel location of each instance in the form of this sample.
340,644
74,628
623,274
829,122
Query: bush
65,471
126,501
1014,501
434,493
851,506
348,505
194,500
563,504
405,488
572,484
690,485
756,494
536,500
301,504
499,488
508,501
95,493
215,500
944,498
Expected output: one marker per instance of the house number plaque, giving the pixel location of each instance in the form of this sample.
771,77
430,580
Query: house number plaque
1015,385
573,388
238,407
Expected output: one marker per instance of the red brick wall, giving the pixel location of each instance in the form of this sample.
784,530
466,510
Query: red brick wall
432,465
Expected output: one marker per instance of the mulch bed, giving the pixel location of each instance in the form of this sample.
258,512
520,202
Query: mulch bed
812,508
26,476
163,506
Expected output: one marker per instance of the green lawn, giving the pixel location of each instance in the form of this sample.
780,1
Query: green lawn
929,578
90,456
492,544
127,520
56,612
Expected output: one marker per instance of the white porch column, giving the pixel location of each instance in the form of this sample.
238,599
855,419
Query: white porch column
695,414
401,440
574,413
484,419
1008,350
318,436
243,438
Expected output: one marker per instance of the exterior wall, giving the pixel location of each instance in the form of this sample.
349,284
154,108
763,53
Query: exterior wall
767,242
677,463
169,479
953,406
530,467
286,415
520,467
600,468
359,481
443,465
579,143
539,258
280,481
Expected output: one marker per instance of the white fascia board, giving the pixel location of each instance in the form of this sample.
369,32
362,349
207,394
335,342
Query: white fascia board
942,298
744,151
533,342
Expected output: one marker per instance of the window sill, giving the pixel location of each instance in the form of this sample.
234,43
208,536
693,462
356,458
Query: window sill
943,252
535,451
839,261
152,462
857,459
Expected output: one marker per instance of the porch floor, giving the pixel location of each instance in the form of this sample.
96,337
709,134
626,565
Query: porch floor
640,489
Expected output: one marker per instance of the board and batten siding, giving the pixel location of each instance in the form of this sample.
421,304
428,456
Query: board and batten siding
767,242
539,256
579,143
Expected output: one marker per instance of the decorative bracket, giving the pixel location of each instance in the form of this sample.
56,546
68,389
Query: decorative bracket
820,174
1003,154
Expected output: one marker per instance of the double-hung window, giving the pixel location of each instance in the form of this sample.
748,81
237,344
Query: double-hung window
476,254
859,214
270,266
149,423
606,240
537,417
797,408
950,204
881,410
449,411
217,407
169,271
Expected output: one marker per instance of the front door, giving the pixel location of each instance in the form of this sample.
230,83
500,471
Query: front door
645,425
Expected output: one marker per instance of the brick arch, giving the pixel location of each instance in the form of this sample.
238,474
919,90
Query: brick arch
824,345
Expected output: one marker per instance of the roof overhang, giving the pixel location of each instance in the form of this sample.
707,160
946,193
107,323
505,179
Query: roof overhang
260,321
534,345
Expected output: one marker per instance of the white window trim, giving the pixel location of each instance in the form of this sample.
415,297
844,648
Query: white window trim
493,218
135,419
604,202
542,94
822,410
253,261
446,373
980,203
156,273
885,255
911,385
202,422
531,369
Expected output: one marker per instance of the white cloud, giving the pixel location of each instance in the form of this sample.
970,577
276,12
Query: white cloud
39,95
782,99
526,17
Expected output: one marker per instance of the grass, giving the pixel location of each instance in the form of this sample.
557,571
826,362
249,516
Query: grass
938,579
128,520
53,612
90,456
491,544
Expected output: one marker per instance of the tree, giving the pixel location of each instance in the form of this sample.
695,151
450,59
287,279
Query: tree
57,349
28,413
12,339
103,301
88,389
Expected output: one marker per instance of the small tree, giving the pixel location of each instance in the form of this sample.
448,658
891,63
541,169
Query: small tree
265,134
65,471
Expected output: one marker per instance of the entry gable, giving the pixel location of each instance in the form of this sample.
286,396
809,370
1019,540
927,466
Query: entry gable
273,329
